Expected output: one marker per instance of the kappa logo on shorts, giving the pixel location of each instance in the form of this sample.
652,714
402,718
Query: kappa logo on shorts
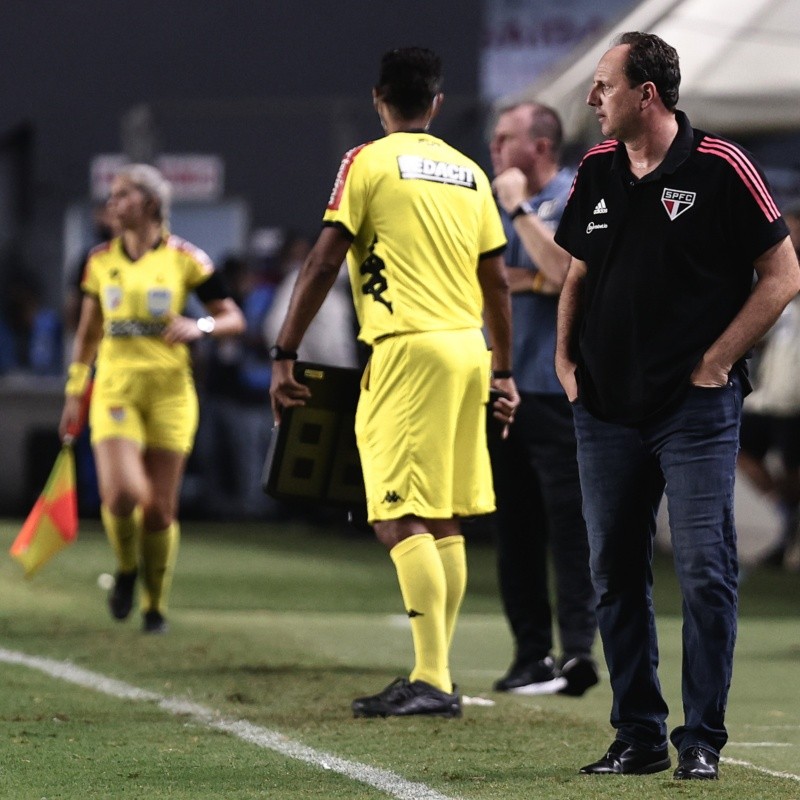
392,497
676,201
117,413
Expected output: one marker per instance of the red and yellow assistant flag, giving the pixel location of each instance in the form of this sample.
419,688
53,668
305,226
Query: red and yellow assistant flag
53,521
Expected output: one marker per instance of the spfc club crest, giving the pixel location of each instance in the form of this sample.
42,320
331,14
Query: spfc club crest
676,201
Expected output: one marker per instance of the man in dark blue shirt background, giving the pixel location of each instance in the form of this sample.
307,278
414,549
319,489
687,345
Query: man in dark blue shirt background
535,469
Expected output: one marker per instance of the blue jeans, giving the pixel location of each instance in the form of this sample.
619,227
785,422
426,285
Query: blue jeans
624,471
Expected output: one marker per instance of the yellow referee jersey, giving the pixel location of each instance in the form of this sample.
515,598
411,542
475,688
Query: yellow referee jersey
420,214
138,297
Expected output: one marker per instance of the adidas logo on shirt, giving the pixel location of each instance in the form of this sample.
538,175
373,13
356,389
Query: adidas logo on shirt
601,207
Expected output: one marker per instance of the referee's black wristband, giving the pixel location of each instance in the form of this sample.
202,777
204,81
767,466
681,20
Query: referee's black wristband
277,353
502,373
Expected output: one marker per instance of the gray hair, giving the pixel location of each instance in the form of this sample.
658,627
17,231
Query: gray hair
149,180
545,122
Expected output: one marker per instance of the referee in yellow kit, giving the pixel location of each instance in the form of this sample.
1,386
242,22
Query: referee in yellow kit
424,243
144,409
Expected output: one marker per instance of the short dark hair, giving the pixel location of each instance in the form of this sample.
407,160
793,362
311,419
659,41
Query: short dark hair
650,58
409,79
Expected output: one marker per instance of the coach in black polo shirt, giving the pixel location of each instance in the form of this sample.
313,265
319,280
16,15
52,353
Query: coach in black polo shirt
666,226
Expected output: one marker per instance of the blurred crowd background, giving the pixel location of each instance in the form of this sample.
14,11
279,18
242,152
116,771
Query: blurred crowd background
247,107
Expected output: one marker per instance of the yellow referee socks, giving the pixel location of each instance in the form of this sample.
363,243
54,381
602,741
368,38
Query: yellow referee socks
453,554
124,534
424,589
159,554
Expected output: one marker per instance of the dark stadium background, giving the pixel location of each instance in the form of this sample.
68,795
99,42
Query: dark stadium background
278,90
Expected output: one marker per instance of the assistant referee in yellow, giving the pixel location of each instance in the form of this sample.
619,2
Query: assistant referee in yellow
424,242
144,408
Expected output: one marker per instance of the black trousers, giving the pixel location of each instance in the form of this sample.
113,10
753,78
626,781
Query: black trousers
539,515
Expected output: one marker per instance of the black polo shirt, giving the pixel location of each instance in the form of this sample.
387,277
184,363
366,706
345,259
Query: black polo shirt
670,264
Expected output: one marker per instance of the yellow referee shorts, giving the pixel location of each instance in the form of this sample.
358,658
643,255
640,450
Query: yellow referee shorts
421,426
156,408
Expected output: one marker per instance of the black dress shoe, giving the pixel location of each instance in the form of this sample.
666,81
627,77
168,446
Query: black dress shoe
697,763
532,678
626,759
581,674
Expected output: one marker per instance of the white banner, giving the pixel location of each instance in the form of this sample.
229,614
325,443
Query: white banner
524,38
193,177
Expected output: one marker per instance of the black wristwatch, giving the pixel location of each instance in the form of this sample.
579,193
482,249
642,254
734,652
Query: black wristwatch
277,353
523,209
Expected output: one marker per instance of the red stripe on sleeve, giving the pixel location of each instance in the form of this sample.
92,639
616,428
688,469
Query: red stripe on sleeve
745,170
608,146
604,147
341,176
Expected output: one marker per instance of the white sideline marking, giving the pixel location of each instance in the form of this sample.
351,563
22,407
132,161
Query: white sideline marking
773,727
773,772
760,744
381,779
476,701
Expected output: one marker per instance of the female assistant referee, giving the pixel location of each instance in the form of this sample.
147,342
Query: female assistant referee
144,408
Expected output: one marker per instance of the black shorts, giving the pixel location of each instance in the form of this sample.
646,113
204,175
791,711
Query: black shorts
762,433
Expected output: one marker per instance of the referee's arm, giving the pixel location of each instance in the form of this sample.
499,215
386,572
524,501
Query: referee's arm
496,309
497,316
317,276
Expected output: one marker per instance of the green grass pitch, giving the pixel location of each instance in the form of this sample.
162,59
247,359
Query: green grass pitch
277,627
